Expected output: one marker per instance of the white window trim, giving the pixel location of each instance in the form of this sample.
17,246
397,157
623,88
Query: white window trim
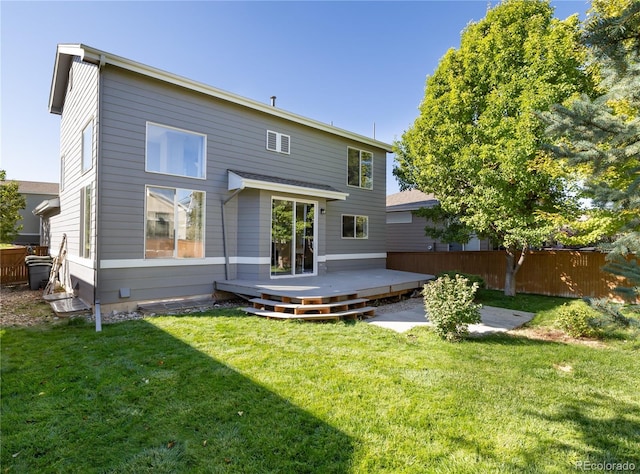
315,236
86,214
359,186
190,132
354,227
279,148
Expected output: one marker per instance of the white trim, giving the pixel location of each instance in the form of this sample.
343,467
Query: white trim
355,256
183,262
293,273
95,56
250,260
83,262
355,226
238,182
160,262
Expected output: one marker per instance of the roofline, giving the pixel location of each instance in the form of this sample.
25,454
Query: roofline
65,53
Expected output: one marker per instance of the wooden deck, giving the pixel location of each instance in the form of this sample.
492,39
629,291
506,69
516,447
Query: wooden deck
331,296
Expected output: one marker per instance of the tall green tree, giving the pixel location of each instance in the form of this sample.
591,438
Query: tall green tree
11,203
600,134
477,144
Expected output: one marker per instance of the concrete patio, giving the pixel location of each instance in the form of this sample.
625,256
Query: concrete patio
412,314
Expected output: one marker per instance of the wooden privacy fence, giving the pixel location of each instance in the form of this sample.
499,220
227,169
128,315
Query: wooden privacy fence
12,267
556,273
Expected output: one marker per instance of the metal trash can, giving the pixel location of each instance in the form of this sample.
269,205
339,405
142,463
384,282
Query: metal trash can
38,269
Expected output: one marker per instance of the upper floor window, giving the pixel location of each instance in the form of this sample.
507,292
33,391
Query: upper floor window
174,151
278,142
360,168
87,147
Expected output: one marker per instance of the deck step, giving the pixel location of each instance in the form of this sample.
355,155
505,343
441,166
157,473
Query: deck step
261,303
365,311
310,299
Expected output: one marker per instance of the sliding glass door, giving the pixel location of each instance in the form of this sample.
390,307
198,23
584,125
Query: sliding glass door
292,237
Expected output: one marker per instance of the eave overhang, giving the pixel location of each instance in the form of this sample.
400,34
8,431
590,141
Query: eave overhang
47,207
239,180
66,52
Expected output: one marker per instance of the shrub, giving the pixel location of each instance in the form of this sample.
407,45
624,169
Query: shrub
450,307
577,319
471,278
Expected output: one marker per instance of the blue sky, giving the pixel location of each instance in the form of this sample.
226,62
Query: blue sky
352,64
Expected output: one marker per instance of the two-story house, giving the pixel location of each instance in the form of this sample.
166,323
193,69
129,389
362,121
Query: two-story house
169,185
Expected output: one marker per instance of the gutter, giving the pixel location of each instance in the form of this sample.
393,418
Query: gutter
96,56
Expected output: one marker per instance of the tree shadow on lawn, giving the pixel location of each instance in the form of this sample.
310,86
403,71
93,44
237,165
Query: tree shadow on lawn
611,438
609,428
136,399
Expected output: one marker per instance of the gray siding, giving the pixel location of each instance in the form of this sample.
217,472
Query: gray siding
30,233
235,140
80,107
410,237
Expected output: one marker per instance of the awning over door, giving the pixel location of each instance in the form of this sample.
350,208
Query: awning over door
244,179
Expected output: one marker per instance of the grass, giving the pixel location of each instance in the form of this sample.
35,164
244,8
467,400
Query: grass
520,302
224,392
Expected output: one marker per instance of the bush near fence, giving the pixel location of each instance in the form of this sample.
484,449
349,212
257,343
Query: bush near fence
12,267
566,273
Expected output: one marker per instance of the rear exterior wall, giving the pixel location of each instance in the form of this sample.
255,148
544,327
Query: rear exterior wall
235,139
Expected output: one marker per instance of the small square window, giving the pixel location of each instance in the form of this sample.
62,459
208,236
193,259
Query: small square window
355,227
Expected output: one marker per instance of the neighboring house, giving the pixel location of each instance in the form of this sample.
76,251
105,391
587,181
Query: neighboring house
169,185
405,230
34,227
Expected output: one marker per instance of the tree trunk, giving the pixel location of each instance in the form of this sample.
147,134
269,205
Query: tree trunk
513,266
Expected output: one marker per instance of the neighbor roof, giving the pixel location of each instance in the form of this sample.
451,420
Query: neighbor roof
37,187
66,52
410,200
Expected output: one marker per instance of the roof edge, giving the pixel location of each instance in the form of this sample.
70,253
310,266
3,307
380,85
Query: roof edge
86,53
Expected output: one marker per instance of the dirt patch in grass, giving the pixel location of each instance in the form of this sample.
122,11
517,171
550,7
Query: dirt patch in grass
555,335
20,306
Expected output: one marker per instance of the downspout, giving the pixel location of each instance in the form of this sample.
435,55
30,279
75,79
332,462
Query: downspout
224,233
96,296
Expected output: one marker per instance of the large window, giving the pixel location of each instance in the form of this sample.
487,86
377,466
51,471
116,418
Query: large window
176,152
360,168
175,223
355,227
87,147
85,222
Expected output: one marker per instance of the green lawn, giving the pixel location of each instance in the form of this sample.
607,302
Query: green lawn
224,392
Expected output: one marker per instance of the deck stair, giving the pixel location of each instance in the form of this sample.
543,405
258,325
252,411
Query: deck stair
335,306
